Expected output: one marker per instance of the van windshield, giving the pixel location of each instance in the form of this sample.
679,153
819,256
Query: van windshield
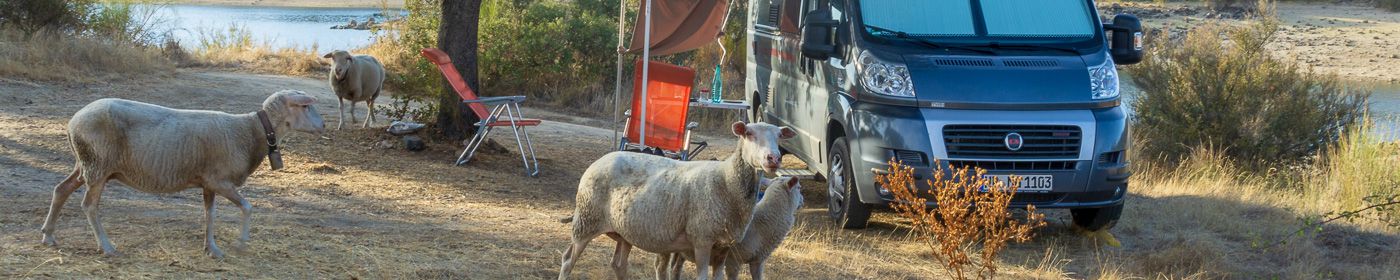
974,21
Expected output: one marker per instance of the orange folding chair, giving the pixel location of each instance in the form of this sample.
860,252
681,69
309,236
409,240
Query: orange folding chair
668,108
507,105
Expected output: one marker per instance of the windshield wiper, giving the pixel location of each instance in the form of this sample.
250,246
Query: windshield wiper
1000,46
905,36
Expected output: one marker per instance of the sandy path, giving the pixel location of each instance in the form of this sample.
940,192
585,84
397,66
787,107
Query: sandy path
1357,42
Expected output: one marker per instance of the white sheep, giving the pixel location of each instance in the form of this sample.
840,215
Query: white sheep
155,149
356,78
663,205
772,220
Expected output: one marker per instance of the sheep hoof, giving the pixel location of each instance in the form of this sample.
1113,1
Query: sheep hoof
111,253
214,252
50,241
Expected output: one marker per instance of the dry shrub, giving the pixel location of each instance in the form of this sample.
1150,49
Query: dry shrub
235,47
54,56
967,221
1221,89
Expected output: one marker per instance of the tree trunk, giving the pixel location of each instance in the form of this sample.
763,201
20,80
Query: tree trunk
457,37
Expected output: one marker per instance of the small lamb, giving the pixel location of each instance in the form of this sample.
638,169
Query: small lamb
663,205
356,78
155,149
772,220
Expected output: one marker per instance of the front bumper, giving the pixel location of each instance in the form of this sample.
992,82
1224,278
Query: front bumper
1097,177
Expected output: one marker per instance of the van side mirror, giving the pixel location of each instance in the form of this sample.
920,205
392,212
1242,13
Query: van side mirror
1126,47
817,27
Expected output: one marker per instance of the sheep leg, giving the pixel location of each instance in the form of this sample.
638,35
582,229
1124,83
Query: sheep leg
341,108
91,199
60,196
370,117
210,248
755,271
677,265
619,262
717,269
702,259
247,212
571,255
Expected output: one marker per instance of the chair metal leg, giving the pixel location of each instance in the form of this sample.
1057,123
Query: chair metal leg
480,137
519,143
475,143
530,145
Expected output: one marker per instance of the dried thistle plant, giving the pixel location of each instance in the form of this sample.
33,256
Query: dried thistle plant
973,217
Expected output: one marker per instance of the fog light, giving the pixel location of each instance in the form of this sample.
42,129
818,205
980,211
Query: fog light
884,191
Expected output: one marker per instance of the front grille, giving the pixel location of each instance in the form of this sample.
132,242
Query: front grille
1060,165
909,157
989,141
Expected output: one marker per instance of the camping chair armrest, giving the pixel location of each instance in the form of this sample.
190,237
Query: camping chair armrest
497,100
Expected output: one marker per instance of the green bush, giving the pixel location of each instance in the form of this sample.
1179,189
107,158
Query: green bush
30,16
1389,5
1231,95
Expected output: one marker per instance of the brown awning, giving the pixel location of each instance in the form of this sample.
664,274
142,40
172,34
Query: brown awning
679,25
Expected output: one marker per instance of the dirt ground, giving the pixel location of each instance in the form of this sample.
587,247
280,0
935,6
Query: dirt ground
1356,41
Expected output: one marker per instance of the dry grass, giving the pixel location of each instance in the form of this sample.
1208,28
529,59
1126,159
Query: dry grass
235,47
57,57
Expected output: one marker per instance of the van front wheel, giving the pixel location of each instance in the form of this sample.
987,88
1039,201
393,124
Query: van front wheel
843,201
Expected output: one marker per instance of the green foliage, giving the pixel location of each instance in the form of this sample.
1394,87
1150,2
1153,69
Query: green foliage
415,82
30,16
1389,5
1230,95
558,52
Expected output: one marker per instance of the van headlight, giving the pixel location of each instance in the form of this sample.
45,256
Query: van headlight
1103,80
885,78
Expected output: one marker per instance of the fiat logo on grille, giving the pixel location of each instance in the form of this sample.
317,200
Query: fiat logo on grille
1013,141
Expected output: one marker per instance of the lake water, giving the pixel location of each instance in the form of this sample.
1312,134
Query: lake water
279,26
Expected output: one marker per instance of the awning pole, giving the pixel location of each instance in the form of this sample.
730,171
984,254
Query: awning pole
617,86
646,72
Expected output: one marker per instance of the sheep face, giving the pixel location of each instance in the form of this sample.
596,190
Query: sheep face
786,186
299,112
758,144
340,63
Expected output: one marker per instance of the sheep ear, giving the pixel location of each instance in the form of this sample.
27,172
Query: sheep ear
301,99
792,183
328,55
740,129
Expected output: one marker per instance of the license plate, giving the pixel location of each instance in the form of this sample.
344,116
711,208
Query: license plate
1029,183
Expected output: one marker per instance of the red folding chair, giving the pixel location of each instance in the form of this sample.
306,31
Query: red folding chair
668,108
509,105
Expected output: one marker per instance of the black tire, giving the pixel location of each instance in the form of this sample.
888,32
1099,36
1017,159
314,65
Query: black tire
1095,219
843,201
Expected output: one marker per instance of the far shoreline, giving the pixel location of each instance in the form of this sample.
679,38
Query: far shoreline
295,3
